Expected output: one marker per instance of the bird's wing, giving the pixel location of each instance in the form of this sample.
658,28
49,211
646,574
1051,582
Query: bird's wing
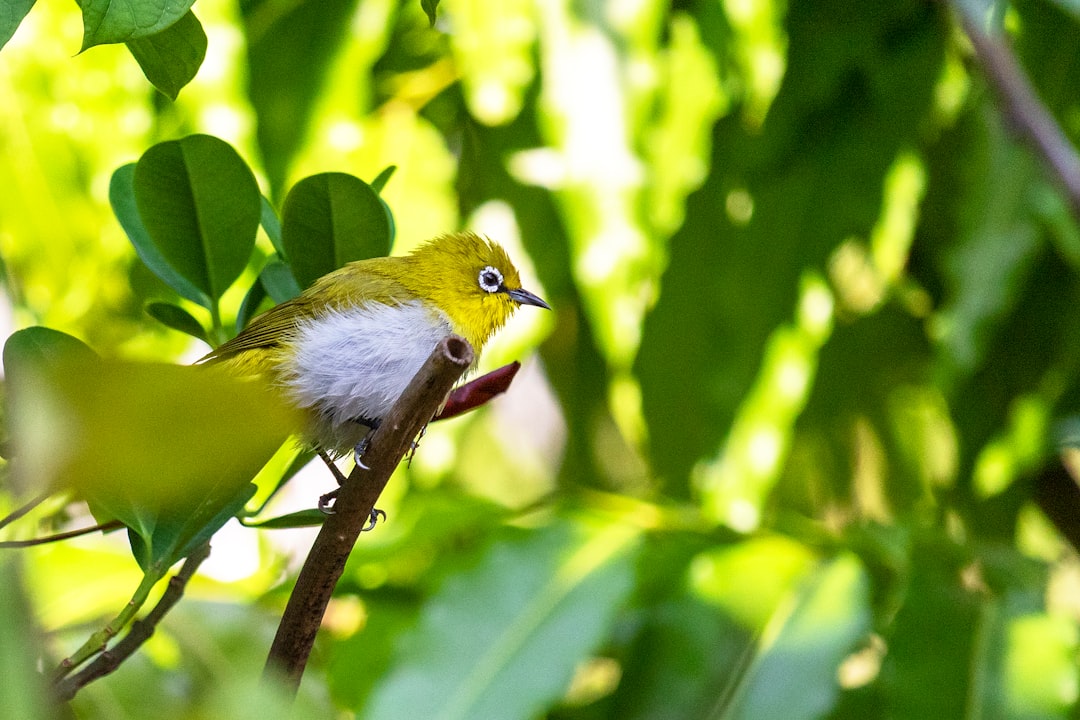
353,286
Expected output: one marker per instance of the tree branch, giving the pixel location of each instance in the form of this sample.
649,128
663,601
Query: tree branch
1021,105
140,631
355,501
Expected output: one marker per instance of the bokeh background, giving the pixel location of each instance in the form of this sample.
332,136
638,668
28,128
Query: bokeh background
776,452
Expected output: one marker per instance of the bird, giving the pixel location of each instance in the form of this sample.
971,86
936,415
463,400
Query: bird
345,349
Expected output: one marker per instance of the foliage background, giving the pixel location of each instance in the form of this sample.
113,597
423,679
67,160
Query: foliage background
773,458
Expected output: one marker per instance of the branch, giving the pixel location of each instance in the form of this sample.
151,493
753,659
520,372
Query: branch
355,500
1022,106
140,631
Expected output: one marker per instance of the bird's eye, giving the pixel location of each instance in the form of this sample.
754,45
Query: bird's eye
491,280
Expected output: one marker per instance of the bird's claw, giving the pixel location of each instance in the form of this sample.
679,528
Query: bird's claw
359,450
326,502
373,519
326,507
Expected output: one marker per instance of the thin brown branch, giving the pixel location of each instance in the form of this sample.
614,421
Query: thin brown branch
140,631
1021,105
103,528
355,500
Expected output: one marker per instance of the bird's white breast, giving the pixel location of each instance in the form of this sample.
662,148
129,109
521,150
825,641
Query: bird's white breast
355,363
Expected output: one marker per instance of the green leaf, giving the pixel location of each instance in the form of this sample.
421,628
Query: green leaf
430,7
300,518
331,219
548,599
702,343
171,536
382,178
201,205
151,445
278,280
794,675
122,199
250,306
11,16
41,347
272,225
116,21
291,47
177,318
170,58
23,692
919,659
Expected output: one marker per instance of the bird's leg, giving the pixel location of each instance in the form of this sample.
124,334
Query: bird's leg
338,475
326,502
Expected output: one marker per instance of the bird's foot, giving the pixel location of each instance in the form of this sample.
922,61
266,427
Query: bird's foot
326,502
373,518
326,507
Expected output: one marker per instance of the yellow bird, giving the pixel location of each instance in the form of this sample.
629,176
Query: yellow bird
346,348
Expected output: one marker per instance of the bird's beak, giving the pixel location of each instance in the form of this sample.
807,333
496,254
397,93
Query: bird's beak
523,297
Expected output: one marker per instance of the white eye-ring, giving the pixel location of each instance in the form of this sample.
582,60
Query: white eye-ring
491,280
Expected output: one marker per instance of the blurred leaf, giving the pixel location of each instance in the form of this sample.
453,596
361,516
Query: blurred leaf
116,21
155,446
382,178
23,693
171,58
355,664
430,8
794,674
990,252
11,15
919,659
278,280
122,199
840,118
548,598
200,205
177,318
290,49
329,220
28,350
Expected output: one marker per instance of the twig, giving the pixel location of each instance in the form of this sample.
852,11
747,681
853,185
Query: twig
140,631
103,528
1021,105
355,501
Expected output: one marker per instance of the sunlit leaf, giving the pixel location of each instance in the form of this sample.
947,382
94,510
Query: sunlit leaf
171,57
23,694
794,673
201,206
547,598
115,21
151,445
778,202
329,220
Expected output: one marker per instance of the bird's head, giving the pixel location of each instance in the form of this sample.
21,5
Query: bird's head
471,280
